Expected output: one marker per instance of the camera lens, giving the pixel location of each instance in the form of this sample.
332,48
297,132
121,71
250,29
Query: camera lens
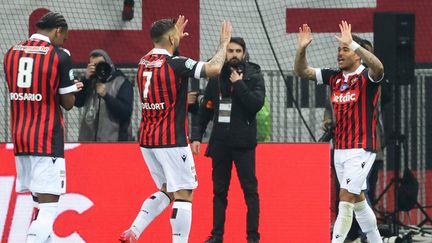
103,71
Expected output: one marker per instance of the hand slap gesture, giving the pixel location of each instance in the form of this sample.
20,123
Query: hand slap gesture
346,37
304,36
225,35
181,25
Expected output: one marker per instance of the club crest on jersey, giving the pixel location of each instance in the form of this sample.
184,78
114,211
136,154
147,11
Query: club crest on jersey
354,80
189,64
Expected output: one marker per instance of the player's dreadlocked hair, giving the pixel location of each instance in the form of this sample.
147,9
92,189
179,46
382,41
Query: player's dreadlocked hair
51,20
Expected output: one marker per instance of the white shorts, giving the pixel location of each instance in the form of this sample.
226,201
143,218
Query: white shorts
352,168
40,174
174,167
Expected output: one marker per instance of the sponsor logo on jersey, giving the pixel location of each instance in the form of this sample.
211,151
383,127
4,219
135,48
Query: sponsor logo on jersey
25,96
71,74
32,49
189,64
344,97
153,106
152,64
344,87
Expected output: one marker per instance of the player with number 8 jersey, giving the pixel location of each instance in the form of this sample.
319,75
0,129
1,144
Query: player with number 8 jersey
40,80
37,72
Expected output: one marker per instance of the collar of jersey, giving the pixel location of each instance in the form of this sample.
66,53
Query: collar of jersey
357,71
40,37
160,51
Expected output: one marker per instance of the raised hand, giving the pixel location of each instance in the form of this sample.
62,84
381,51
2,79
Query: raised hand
346,37
225,35
181,25
304,36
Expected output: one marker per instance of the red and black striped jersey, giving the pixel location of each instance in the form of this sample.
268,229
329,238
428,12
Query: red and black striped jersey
162,83
37,73
354,97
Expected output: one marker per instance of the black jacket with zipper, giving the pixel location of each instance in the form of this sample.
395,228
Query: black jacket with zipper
247,97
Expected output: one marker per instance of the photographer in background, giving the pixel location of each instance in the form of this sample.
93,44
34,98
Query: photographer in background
232,101
107,98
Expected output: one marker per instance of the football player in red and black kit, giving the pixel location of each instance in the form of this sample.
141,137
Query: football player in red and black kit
162,82
354,96
40,80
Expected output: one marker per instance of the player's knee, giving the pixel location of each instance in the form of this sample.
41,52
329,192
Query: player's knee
184,194
346,196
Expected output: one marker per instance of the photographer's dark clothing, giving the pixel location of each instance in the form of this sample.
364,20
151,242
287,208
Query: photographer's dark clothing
233,138
247,98
106,118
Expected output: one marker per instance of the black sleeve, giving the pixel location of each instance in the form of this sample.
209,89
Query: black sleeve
205,111
327,74
121,106
186,67
80,97
252,99
65,70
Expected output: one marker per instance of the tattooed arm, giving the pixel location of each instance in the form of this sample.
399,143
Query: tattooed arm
214,66
376,68
301,67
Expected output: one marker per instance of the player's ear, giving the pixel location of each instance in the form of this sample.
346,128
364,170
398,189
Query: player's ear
171,39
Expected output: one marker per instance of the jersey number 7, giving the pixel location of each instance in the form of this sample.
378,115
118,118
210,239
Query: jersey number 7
147,75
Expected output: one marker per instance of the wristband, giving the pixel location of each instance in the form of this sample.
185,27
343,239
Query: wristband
353,45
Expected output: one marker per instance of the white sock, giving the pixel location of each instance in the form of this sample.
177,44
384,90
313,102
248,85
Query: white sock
343,222
367,221
42,227
150,209
181,219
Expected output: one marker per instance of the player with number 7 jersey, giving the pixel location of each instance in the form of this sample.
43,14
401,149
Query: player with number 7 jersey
162,82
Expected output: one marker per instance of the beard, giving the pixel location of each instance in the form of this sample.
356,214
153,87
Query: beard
234,62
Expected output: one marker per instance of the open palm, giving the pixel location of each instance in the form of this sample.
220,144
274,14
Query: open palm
346,37
181,25
304,36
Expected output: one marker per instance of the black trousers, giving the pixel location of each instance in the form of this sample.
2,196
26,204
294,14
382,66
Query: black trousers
244,160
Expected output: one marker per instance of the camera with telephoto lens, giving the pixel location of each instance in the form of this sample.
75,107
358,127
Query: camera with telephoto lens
103,71
239,66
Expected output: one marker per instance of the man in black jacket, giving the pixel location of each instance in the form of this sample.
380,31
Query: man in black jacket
232,101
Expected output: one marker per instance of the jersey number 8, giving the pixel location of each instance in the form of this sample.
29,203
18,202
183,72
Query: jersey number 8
25,70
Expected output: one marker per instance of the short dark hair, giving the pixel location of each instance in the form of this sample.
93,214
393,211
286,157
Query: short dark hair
160,28
240,41
51,20
368,45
